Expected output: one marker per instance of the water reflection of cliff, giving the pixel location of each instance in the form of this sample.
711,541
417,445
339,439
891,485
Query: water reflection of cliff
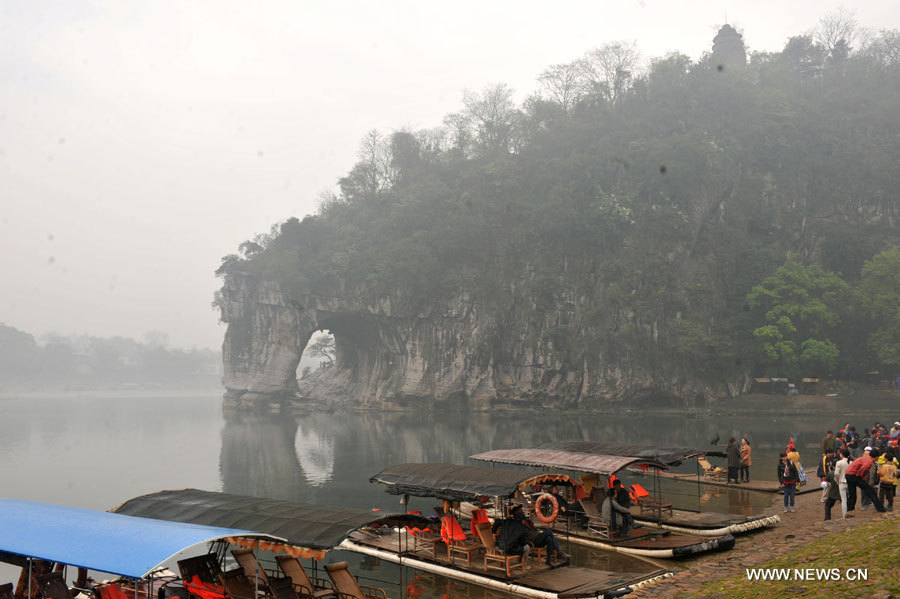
328,457
258,458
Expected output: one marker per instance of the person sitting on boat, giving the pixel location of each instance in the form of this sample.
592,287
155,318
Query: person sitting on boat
623,497
564,506
612,510
517,533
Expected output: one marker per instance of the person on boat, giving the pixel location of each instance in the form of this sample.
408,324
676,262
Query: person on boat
623,497
568,508
733,459
517,533
746,462
840,472
787,478
612,510
564,506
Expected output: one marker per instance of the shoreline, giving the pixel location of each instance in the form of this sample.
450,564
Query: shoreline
795,532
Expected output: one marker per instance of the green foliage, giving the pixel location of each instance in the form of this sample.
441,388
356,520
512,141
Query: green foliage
800,306
661,199
878,293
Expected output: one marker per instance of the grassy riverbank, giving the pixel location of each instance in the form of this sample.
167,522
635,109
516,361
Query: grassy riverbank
874,546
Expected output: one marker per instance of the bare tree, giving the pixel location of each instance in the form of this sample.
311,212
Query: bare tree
610,68
563,83
885,47
493,115
839,31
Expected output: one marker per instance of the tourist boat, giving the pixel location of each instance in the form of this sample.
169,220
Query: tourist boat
497,489
388,537
650,541
705,523
45,540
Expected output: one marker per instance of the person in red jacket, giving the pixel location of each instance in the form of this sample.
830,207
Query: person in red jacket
857,472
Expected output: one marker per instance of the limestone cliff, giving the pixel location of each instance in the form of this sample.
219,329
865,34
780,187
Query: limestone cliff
390,355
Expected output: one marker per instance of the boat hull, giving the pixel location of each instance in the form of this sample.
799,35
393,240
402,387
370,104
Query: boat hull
654,547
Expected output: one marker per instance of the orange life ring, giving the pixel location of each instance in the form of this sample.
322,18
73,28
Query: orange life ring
539,508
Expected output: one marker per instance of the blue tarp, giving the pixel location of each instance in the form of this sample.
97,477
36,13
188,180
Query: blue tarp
113,543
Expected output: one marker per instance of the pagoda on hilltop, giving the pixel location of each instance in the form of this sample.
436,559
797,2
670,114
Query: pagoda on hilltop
728,48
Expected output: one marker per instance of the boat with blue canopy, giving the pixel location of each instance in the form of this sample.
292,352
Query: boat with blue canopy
44,540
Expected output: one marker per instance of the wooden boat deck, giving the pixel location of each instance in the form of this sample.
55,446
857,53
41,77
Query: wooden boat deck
565,581
694,519
761,486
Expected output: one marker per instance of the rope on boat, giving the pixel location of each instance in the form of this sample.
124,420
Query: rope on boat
717,532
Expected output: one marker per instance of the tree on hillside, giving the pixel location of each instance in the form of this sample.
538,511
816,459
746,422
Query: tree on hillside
879,295
493,116
800,304
563,84
610,69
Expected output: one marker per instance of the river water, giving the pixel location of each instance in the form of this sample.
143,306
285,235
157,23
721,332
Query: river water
96,451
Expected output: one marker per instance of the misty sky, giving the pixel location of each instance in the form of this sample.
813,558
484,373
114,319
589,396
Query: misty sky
142,141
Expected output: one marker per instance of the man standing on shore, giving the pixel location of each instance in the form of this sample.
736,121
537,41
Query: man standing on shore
828,443
856,476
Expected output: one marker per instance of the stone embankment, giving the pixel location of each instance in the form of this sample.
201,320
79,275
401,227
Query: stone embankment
796,530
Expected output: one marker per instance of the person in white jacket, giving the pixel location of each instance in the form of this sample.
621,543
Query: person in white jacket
840,471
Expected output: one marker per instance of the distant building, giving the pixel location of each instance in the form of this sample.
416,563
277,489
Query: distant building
728,48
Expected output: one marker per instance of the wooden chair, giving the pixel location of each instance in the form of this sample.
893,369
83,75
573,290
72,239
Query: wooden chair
236,584
596,524
280,587
494,558
346,585
53,586
205,567
6,591
457,541
709,471
649,504
303,584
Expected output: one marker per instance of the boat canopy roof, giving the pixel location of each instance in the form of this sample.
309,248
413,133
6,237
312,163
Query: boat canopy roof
112,543
569,460
663,453
303,525
457,483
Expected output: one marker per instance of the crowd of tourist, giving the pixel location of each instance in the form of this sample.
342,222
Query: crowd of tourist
851,464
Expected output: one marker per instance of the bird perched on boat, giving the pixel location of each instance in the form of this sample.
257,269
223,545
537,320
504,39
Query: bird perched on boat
715,441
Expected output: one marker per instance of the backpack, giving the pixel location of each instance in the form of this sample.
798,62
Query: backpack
887,473
801,474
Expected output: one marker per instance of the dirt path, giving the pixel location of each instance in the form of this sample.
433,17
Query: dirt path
795,530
